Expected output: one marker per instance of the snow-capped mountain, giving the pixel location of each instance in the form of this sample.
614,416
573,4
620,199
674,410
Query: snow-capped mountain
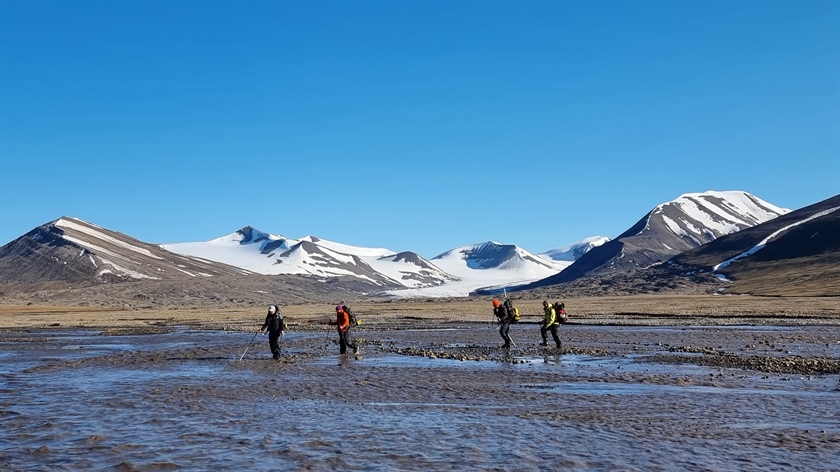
485,265
69,251
799,249
691,220
269,254
406,274
574,251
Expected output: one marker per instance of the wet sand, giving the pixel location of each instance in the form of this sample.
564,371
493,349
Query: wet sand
425,393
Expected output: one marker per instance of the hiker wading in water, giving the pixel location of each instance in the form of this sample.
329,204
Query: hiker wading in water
505,318
342,322
275,326
549,324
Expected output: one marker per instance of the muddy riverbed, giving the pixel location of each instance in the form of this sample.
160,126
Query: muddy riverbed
433,397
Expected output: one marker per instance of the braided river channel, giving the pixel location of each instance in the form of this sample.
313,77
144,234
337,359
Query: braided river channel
430,397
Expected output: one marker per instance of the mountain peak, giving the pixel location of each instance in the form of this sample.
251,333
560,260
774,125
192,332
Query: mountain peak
250,234
691,220
574,251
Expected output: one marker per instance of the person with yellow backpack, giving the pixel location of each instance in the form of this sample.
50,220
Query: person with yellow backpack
506,314
549,324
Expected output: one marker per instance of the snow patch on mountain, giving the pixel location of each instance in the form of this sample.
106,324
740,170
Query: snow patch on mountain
88,229
573,252
764,242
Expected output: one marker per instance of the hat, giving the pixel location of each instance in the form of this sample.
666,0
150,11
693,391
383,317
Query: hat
272,306
339,308
496,303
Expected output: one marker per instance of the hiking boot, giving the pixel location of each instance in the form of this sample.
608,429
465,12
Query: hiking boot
543,343
505,346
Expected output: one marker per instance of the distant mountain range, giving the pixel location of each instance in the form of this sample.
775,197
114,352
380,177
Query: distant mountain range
69,252
686,232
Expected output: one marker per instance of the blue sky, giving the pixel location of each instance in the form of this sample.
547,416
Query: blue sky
418,126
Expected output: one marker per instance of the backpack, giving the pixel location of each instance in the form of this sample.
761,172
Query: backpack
513,312
351,316
562,317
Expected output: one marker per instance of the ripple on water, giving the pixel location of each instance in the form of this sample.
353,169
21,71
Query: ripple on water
212,414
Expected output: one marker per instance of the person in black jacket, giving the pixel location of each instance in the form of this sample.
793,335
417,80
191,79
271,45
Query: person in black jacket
505,319
275,326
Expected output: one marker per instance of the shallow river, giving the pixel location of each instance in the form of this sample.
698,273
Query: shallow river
79,400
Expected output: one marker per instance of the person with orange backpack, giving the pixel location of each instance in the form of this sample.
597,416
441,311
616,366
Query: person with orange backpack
342,323
505,317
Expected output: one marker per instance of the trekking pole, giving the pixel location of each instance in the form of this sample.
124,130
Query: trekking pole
249,345
327,335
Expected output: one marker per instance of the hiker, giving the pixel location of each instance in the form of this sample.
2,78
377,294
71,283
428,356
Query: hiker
505,318
342,322
275,326
549,324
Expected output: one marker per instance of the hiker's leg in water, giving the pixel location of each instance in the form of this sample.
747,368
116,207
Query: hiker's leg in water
350,341
503,331
274,344
342,342
554,335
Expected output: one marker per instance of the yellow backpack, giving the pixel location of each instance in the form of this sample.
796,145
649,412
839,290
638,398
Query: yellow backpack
515,316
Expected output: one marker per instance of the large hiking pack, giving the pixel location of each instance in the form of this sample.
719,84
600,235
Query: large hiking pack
513,312
560,313
351,316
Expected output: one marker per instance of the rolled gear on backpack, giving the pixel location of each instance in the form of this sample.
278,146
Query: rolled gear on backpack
512,311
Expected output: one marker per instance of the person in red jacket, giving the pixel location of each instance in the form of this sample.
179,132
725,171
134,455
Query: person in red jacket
342,322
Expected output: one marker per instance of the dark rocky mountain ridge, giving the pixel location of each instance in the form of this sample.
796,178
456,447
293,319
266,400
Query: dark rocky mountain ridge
70,253
798,255
669,229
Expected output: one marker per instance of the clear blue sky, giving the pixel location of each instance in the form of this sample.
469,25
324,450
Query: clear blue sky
418,126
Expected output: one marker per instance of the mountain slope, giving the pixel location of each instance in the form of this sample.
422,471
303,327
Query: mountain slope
690,221
573,252
797,253
71,252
